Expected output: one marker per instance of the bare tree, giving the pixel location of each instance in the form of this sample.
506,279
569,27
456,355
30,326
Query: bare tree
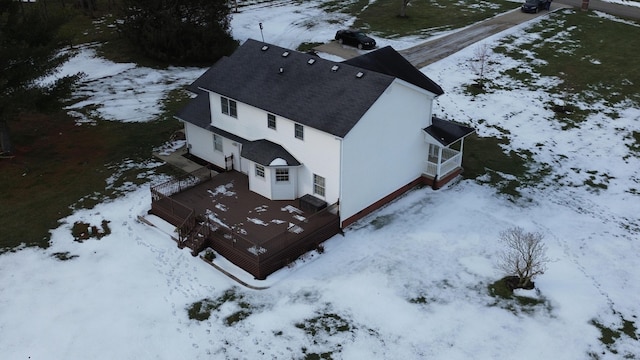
403,8
524,255
480,62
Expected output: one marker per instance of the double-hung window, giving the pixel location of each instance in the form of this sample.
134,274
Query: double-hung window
318,185
299,132
282,175
259,171
217,142
229,107
271,121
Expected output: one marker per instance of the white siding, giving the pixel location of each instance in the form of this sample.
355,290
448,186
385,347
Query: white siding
200,144
260,185
319,152
386,149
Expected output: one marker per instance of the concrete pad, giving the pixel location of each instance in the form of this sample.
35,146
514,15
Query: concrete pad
178,160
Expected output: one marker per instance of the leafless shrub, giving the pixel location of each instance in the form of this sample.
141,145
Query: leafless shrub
524,255
480,63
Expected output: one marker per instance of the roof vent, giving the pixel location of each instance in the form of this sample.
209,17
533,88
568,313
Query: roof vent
265,48
335,68
281,70
285,54
360,74
311,61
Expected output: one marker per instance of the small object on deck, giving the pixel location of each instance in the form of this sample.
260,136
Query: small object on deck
312,204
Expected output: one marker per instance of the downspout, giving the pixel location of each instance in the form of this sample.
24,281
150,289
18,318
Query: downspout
340,181
461,152
439,161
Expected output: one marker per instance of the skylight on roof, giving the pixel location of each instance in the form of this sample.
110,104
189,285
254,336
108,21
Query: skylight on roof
265,48
285,54
360,74
311,61
335,68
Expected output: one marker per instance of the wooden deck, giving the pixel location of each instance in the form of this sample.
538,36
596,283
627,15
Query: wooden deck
255,233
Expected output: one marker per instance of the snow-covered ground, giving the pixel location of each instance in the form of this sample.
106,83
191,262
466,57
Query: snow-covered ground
408,282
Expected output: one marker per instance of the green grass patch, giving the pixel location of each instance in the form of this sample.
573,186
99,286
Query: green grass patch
308,46
635,145
422,300
506,299
351,7
486,161
321,329
64,256
202,310
609,336
317,356
82,231
325,324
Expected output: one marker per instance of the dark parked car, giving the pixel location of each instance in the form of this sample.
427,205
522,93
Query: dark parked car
533,6
355,38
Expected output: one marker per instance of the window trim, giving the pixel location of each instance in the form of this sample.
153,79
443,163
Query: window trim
259,171
271,121
298,131
228,107
282,175
319,189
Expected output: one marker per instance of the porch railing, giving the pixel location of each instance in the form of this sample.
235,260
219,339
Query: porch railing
452,159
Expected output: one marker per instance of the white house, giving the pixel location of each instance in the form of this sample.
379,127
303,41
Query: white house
358,132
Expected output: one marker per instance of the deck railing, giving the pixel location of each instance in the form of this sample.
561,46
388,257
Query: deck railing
175,212
183,182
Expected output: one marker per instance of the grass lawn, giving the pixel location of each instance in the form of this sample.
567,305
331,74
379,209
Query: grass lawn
60,166
589,55
423,17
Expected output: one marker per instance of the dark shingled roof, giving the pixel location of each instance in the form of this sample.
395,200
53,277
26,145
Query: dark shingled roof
388,61
447,132
264,152
312,94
